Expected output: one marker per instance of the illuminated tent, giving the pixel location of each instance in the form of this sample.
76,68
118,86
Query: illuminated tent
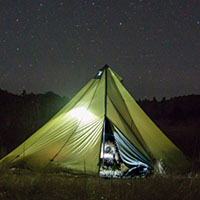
74,137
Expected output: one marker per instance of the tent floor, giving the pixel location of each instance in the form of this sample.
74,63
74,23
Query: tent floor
134,172
109,173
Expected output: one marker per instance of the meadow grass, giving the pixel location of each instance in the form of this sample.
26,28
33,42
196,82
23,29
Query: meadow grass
22,185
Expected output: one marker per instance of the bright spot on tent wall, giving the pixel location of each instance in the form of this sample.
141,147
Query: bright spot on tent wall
81,114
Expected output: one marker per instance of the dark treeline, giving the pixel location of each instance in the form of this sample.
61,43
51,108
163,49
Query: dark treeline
175,109
21,115
179,119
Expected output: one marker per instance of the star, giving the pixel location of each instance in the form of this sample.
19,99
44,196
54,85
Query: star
130,36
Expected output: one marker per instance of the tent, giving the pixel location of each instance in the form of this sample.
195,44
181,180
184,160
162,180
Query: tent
102,111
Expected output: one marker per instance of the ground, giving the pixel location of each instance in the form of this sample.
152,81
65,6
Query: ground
28,185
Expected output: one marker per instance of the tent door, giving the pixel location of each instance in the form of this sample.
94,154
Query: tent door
118,156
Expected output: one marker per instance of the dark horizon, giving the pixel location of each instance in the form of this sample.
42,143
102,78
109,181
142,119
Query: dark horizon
70,97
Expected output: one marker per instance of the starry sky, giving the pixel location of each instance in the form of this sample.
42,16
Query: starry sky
56,45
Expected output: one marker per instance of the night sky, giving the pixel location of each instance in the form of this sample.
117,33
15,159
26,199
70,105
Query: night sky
59,46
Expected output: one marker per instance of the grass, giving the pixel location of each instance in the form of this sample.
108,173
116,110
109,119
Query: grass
22,185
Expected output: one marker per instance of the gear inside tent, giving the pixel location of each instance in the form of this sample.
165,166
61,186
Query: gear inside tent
118,157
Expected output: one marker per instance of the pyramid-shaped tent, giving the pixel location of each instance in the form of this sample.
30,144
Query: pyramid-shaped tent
74,138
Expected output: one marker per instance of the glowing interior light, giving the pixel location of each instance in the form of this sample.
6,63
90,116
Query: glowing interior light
81,113
99,73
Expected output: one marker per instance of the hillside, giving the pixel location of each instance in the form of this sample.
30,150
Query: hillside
179,119
21,115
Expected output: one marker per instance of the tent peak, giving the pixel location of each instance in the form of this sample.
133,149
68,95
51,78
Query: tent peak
105,67
100,72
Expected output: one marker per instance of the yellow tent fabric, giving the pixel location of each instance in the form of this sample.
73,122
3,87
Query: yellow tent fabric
72,138
147,137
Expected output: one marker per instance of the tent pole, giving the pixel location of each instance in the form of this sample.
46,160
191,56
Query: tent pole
105,112
106,88
103,145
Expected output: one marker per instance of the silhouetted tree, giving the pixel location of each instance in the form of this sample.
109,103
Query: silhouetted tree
155,100
163,100
23,93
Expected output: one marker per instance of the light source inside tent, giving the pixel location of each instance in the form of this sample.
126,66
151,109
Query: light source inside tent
81,114
99,73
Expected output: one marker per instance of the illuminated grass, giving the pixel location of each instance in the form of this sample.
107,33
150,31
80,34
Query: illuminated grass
24,185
